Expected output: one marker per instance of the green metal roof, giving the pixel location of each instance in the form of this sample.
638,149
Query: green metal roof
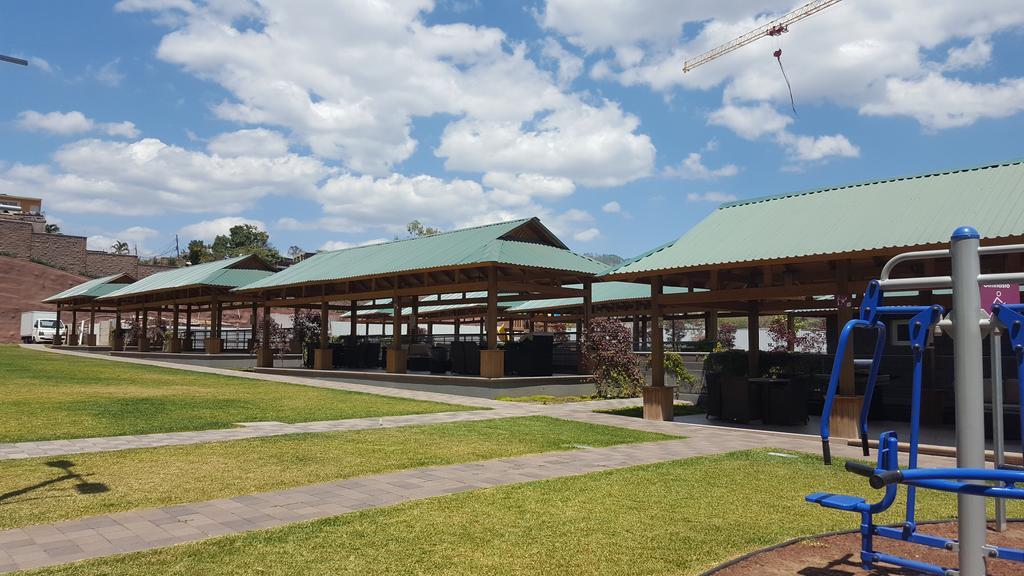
93,288
219,273
896,213
600,292
482,244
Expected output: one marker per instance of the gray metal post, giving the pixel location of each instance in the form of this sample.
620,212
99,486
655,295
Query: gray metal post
970,408
995,342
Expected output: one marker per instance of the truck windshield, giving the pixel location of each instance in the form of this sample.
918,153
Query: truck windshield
47,323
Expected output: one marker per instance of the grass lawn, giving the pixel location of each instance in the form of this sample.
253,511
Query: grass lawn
48,396
674,518
638,411
163,476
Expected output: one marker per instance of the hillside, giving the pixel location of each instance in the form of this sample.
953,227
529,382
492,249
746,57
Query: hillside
22,285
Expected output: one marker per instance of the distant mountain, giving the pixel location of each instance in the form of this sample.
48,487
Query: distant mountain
609,259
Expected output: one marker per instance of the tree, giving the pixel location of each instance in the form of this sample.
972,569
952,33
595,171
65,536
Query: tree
52,229
244,239
416,229
198,252
119,247
608,351
295,253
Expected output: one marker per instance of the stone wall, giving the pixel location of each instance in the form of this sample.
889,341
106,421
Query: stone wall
106,264
68,253
60,251
15,238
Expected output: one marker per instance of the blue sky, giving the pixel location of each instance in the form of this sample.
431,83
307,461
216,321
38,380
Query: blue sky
332,124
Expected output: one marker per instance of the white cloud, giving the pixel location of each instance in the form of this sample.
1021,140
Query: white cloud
288,223
207,230
857,55
135,236
811,148
351,90
612,207
977,53
586,235
150,177
568,66
591,145
522,188
938,102
693,168
750,122
710,197
257,142
753,122
356,203
74,122
109,74
37,62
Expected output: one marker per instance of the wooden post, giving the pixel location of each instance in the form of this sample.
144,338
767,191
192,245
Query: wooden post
588,310
636,333
353,327
322,357
73,337
847,386
174,345
658,398
90,340
753,340
265,356
492,360
790,331
187,343
456,329
253,327
56,331
397,356
214,344
711,325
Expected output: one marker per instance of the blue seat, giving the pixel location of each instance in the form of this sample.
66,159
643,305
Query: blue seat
837,501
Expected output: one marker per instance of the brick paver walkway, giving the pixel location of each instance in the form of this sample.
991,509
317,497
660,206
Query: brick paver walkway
44,545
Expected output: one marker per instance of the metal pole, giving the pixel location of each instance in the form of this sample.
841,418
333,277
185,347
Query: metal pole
970,409
998,445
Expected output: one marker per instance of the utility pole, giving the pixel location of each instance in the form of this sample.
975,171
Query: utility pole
177,248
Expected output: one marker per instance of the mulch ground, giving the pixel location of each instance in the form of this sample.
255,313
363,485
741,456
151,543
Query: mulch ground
840,555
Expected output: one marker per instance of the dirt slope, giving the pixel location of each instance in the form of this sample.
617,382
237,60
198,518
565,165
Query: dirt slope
22,285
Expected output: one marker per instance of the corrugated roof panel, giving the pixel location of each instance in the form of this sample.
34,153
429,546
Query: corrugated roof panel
448,249
600,292
90,289
209,273
896,213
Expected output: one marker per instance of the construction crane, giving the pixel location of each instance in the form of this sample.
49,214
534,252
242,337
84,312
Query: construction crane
773,28
13,60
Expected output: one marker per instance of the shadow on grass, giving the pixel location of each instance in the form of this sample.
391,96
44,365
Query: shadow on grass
82,486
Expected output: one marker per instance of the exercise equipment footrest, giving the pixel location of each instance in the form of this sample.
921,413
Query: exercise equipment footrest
837,501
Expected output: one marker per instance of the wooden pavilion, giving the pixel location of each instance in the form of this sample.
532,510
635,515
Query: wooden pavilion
83,298
202,288
473,270
817,250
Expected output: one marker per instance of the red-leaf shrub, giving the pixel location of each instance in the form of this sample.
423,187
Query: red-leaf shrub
608,352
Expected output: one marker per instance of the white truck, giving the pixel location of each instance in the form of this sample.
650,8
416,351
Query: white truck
39,326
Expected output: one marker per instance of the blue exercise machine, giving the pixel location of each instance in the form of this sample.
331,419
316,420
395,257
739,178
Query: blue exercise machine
971,481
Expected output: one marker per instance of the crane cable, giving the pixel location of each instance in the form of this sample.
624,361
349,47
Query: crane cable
792,102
